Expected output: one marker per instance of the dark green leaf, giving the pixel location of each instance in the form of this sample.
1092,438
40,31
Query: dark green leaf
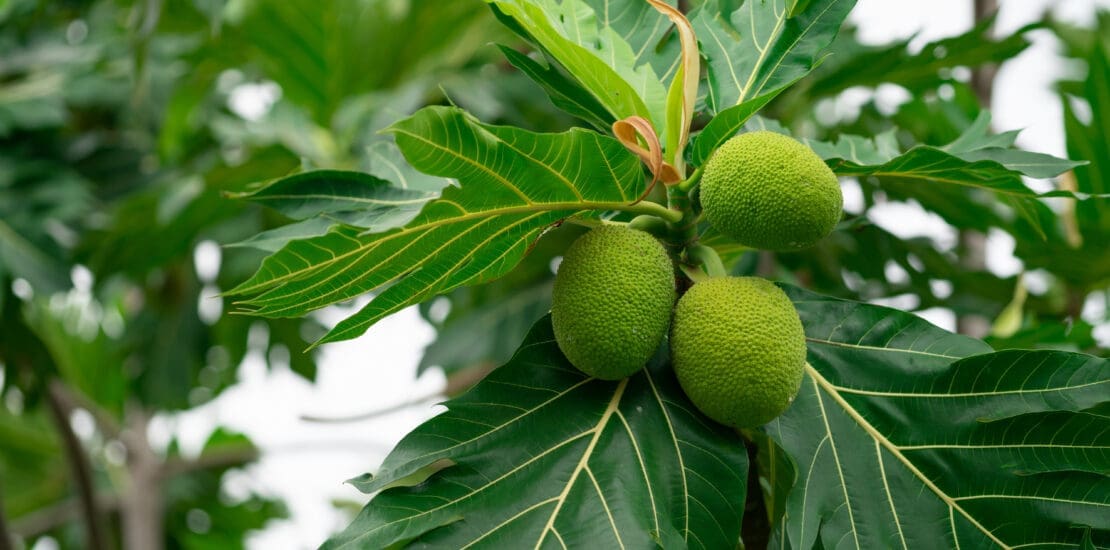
352,198
565,93
560,459
907,436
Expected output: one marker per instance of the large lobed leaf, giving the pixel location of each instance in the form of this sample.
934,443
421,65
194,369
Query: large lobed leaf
595,54
512,185
856,64
539,455
761,46
754,53
937,175
907,436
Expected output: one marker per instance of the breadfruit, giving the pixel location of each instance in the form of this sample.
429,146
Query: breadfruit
769,191
612,300
738,349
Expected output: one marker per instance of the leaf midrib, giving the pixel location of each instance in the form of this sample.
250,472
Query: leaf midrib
517,209
894,450
598,429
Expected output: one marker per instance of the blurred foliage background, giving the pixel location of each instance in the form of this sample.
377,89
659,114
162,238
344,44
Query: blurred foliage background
125,124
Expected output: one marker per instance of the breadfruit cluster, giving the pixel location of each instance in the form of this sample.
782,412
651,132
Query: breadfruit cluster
737,344
769,191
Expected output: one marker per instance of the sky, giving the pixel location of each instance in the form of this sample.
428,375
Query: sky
306,463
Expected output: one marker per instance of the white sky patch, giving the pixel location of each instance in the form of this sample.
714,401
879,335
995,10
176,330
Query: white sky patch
206,259
894,273
252,101
853,195
1037,281
941,288
1094,308
939,316
889,97
904,302
907,220
210,305
1000,254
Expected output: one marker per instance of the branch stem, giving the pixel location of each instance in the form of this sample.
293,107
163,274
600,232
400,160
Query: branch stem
655,209
81,467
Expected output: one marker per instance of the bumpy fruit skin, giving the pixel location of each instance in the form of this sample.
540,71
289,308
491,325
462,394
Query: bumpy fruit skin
612,300
738,349
770,191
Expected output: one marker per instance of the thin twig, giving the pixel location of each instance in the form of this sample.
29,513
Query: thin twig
79,464
44,520
214,460
385,411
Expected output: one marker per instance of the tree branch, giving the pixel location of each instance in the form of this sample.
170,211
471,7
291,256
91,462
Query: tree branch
7,541
60,410
47,519
228,458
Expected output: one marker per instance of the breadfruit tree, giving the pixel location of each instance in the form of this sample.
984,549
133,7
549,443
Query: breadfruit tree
687,389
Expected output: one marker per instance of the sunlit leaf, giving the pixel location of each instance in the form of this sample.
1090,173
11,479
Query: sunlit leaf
760,46
538,454
597,56
513,185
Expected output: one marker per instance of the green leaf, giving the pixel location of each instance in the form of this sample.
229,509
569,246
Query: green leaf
907,436
324,52
352,198
564,92
538,454
597,56
1090,140
85,357
760,47
858,65
384,160
23,258
513,185
725,125
933,174
487,332
645,29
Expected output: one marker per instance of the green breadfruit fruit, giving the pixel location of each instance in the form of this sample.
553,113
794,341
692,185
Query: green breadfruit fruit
738,349
770,191
611,304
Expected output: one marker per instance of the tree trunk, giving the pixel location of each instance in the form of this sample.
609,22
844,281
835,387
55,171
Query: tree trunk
142,504
973,244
